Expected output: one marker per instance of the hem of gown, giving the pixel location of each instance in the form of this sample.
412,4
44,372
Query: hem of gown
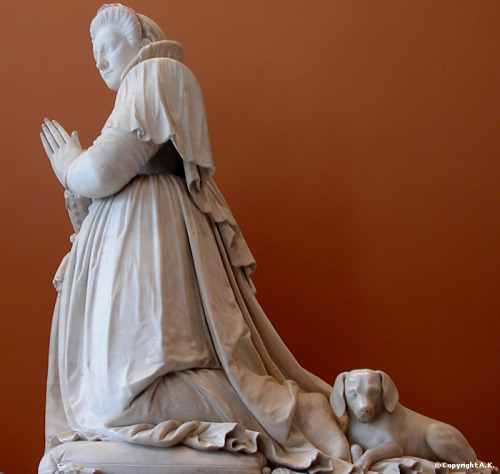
209,436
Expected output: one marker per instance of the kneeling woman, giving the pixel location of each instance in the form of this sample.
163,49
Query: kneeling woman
157,336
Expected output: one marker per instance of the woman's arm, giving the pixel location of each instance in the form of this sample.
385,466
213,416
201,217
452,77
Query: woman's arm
109,164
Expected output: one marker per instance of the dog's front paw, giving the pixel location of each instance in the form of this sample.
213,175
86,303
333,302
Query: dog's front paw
364,462
356,452
362,466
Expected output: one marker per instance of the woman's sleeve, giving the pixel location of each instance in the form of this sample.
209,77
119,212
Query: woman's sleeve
109,164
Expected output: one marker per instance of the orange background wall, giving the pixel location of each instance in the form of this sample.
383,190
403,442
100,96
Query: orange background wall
357,144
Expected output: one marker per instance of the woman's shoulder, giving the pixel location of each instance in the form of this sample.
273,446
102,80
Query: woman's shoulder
156,77
157,92
157,69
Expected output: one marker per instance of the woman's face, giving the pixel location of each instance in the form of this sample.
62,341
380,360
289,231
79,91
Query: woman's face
112,54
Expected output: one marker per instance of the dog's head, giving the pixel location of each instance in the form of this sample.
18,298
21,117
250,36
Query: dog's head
364,394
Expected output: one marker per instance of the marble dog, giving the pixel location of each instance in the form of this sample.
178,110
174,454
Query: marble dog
378,427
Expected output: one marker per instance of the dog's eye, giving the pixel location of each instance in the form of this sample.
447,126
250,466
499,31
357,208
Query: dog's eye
374,393
352,394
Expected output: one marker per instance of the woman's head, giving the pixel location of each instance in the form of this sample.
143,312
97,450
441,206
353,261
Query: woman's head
118,34
138,29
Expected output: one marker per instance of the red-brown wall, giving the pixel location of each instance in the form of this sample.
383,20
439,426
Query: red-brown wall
357,144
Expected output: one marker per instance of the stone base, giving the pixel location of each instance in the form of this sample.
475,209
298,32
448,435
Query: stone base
122,458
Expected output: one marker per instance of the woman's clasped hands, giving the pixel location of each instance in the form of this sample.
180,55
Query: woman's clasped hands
61,148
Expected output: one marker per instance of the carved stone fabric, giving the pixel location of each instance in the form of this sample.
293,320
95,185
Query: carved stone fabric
157,337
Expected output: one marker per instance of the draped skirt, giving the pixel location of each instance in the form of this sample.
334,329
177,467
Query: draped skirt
158,339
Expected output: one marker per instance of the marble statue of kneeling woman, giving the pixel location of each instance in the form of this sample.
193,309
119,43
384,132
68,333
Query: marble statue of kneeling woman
157,337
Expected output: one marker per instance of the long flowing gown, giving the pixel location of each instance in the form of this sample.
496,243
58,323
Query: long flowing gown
157,337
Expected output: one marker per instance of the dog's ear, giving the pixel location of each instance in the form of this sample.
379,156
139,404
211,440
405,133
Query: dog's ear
390,392
337,400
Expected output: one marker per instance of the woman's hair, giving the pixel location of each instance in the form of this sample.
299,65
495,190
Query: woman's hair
135,27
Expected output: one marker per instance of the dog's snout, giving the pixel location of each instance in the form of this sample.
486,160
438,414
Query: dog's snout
365,410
